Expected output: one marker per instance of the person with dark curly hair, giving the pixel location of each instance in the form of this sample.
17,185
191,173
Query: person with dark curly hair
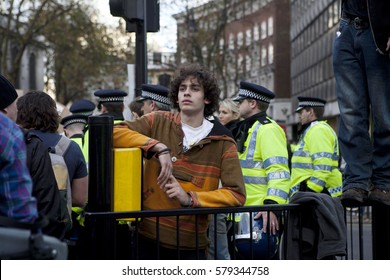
187,156
37,112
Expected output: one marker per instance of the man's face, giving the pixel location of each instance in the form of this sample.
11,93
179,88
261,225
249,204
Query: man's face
148,106
191,97
305,115
246,107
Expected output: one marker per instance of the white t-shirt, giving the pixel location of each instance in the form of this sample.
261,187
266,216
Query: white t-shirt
193,135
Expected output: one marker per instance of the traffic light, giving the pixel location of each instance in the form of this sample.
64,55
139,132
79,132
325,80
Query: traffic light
133,11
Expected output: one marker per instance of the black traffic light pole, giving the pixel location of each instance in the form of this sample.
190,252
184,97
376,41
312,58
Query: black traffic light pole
141,16
140,53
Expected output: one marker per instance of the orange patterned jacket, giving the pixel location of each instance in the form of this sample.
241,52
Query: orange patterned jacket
198,171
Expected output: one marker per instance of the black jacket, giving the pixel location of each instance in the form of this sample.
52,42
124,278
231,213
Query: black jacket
45,188
324,233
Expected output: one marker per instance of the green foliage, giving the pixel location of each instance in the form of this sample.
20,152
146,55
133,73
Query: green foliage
80,52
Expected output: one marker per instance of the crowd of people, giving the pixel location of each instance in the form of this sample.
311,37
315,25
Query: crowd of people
199,152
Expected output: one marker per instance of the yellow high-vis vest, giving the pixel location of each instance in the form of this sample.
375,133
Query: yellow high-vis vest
316,160
264,164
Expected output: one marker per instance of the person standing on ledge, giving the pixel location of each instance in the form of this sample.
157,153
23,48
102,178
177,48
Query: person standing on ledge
361,66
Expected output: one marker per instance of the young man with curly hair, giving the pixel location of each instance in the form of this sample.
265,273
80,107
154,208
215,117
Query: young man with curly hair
187,157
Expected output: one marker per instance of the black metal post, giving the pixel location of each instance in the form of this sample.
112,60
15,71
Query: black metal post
100,231
381,232
140,51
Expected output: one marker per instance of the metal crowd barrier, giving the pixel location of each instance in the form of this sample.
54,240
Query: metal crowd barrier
103,243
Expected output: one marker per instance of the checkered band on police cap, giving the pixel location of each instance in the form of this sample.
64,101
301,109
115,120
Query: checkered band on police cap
155,97
250,94
156,93
309,102
108,95
71,119
254,91
111,99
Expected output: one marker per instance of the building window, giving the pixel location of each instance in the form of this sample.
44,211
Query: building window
270,53
270,26
248,37
263,30
336,12
330,16
240,39
231,41
248,63
270,81
256,33
263,56
221,45
240,63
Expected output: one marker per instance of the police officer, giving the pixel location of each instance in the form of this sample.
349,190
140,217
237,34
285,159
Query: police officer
154,98
262,148
74,128
111,103
83,107
316,157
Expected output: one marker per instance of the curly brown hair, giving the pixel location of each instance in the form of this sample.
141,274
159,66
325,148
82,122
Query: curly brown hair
37,110
205,78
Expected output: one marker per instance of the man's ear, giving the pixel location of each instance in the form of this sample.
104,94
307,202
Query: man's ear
253,103
206,101
103,109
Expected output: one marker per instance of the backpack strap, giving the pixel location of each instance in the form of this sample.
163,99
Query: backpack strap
62,146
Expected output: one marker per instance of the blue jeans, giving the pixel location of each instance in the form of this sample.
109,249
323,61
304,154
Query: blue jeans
363,88
222,238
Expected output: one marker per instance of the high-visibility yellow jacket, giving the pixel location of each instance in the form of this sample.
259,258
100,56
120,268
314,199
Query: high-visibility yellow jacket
264,163
85,146
315,160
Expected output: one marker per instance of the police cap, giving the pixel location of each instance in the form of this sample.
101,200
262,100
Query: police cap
157,93
82,106
75,118
110,95
304,102
254,91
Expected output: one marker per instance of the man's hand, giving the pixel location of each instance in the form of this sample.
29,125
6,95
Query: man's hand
174,190
166,164
274,225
